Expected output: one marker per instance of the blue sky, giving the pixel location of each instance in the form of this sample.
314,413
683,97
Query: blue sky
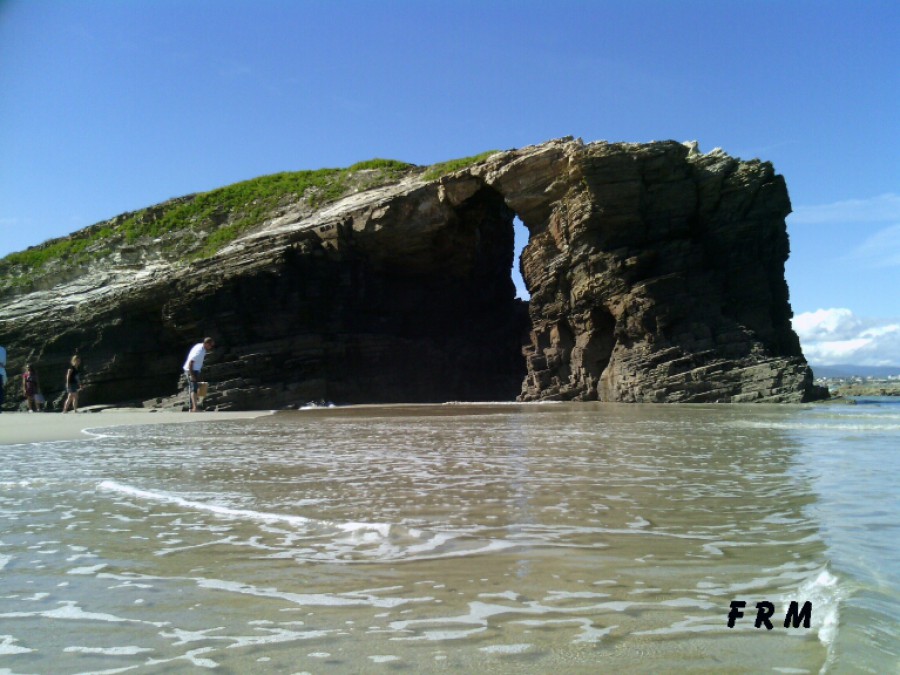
108,106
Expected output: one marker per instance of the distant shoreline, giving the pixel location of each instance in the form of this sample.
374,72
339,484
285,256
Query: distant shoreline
22,427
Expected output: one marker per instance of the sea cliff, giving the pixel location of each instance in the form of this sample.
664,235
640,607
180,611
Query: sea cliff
656,274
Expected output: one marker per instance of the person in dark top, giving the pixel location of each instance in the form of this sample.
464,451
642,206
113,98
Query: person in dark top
73,384
30,387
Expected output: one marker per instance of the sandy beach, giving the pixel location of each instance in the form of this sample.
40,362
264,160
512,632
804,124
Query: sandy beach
35,427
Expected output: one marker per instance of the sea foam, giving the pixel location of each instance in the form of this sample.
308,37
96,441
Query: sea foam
349,542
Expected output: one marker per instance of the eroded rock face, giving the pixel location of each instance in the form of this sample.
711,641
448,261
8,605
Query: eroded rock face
655,276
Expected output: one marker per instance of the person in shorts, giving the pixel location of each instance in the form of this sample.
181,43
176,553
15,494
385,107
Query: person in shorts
31,388
192,365
73,384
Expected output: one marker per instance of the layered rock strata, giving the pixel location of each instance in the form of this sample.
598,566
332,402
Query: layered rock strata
656,274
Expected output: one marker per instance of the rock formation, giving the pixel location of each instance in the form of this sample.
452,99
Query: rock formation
656,273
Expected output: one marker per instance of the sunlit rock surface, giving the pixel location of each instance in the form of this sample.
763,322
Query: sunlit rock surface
656,274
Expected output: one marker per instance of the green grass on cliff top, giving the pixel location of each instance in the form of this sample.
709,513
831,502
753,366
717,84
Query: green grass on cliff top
215,218
437,170
227,211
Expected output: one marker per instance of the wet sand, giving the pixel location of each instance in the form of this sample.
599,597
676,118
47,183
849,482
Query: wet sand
503,539
36,427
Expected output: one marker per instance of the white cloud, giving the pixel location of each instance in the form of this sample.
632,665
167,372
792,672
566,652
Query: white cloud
880,331
837,336
826,324
881,249
881,209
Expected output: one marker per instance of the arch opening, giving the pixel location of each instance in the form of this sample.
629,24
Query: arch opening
520,235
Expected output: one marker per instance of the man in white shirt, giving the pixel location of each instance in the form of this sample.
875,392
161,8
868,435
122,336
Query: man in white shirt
192,366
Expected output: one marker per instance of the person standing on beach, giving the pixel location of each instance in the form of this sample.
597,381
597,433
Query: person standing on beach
73,384
30,387
2,376
192,366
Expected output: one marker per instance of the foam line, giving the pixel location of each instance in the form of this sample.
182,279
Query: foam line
382,529
112,486
424,545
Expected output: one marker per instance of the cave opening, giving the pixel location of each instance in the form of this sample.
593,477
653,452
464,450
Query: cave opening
520,240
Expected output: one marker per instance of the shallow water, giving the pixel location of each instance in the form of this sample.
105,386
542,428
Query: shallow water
488,538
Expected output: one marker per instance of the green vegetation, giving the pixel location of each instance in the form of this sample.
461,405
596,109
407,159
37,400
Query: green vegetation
382,164
247,204
443,168
58,249
206,221
197,226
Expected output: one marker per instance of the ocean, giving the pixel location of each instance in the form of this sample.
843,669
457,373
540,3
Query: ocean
470,538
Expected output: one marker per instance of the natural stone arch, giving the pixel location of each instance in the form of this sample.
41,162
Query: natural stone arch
663,264
656,274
